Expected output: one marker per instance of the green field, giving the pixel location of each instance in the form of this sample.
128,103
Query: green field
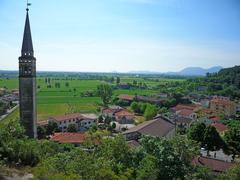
59,101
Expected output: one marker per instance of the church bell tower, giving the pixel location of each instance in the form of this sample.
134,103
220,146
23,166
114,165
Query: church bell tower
27,83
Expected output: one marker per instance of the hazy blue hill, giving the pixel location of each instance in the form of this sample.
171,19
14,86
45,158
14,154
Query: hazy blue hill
198,71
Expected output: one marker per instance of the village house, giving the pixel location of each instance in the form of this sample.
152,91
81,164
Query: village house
223,105
119,114
186,113
158,127
124,117
221,128
72,138
86,121
126,97
81,121
183,122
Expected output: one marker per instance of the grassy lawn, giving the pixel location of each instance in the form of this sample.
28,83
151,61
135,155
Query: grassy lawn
67,99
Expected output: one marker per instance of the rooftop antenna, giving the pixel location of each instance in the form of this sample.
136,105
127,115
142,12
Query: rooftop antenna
28,4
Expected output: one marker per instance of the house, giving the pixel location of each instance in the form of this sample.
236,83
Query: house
124,86
204,120
192,107
126,97
205,103
121,115
215,165
111,110
222,105
149,99
214,119
124,117
183,122
86,121
73,138
221,128
81,121
159,127
65,120
186,113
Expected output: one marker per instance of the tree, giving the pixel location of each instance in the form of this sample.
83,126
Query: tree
67,84
148,168
118,80
150,112
41,132
72,128
212,139
232,139
105,92
113,125
51,127
196,132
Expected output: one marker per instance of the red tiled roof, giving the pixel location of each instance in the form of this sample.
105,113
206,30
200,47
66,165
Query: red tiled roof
124,113
215,118
181,106
108,111
213,164
67,117
220,127
185,112
126,97
74,138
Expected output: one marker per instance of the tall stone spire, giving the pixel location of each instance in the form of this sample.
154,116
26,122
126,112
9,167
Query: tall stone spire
27,46
27,83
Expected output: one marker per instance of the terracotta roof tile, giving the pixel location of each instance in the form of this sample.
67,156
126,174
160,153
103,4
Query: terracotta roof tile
74,138
213,164
220,127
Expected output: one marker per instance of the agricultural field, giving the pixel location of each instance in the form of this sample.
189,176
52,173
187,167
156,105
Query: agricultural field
67,98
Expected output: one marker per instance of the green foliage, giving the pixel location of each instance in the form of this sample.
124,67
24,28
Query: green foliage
212,139
206,135
148,168
72,128
196,132
173,156
232,139
105,92
150,112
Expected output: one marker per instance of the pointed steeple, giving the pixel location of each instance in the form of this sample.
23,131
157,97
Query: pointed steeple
27,46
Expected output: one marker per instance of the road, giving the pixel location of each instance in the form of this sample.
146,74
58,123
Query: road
8,112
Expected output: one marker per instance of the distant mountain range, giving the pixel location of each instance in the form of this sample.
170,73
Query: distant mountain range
189,71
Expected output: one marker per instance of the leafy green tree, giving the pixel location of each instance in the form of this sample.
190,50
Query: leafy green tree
148,168
105,92
196,132
52,127
232,139
150,112
118,80
41,132
72,128
212,139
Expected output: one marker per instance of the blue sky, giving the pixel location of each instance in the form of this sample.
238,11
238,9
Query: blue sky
123,35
